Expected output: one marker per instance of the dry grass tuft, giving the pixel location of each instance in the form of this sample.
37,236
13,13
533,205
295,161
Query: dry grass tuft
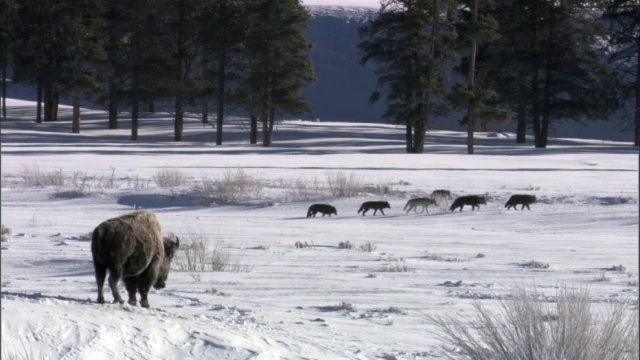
529,328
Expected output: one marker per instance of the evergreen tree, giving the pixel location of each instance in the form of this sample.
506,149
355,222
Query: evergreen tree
83,18
182,30
223,32
412,44
112,69
550,64
624,25
40,52
7,19
277,61
477,32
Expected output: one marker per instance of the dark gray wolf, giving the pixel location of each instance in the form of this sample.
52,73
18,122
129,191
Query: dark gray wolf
520,199
132,248
414,203
376,205
321,208
472,200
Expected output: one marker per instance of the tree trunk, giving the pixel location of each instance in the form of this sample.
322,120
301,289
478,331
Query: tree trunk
205,112
75,123
220,105
521,130
409,138
419,137
253,136
134,119
113,113
4,85
268,138
637,112
39,103
178,124
535,82
148,107
471,120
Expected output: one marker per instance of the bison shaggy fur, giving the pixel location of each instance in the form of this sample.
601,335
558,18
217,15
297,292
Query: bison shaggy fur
132,248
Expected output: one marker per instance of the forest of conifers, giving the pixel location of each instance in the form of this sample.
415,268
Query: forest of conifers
524,61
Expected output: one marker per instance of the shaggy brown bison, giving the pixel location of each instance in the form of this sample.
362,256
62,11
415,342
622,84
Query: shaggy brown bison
132,248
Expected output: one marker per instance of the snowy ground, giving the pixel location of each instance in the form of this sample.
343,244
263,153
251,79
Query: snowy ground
317,301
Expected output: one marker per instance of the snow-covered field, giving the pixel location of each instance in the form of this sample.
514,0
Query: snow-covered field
295,293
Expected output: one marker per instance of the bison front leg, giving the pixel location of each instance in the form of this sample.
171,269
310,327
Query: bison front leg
114,278
145,281
131,284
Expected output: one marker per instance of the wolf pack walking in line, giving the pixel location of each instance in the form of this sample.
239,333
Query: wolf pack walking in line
437,197
132,248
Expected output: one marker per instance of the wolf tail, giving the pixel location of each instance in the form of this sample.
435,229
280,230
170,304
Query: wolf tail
361,208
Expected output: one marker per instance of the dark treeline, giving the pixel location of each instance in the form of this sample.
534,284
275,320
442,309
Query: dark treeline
528,61
127,54
532,61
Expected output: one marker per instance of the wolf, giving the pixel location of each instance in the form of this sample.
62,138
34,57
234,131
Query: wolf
424,202
520,199
376,205
444,194
473,200
321,208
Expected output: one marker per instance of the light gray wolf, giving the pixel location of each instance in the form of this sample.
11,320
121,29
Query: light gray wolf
520,199
376,205
472,200
321,208
443,194
414,203
132,248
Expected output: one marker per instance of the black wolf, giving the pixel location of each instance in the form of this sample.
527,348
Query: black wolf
376,205
132,248
321,208
520,199
472,200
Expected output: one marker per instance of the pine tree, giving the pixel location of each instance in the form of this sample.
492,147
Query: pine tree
277,61
7,19
477,31
624,25
549,67
223,32
412,44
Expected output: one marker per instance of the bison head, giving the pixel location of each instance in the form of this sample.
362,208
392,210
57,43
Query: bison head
170,247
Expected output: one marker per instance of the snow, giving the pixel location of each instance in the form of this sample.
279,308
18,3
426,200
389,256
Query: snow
316,301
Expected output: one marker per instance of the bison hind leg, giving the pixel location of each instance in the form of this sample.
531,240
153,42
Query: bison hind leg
114,279
131,284
101,274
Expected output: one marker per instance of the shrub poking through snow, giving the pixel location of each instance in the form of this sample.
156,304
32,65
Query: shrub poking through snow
536,264
343,185
170,178
346,245
368,247
529,328
231,186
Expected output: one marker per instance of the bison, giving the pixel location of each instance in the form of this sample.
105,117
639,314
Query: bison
132,248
